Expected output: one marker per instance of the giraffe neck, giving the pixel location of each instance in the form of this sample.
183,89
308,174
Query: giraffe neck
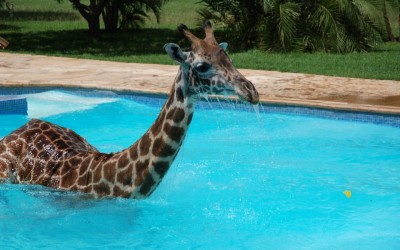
148,160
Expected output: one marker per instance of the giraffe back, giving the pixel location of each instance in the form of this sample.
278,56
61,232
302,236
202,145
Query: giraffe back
37,152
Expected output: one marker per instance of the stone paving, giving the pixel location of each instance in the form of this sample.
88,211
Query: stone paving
380,96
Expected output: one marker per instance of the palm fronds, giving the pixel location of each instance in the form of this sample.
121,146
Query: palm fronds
309,25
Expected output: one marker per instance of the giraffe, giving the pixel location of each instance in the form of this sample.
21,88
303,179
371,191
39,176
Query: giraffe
47,154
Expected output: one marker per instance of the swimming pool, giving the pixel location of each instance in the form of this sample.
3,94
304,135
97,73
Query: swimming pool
268,180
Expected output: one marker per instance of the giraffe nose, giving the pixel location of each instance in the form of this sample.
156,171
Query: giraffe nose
254,98
248,92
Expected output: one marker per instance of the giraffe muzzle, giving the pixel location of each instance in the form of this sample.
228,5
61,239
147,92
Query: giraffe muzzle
247,92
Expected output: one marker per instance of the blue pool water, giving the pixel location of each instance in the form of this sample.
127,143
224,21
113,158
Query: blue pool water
273,180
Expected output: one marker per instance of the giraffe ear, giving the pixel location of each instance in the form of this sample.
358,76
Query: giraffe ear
223,45
175,52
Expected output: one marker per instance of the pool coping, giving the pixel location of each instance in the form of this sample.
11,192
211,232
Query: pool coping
158,100
280,88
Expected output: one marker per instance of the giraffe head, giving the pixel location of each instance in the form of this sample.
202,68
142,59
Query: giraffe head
208,67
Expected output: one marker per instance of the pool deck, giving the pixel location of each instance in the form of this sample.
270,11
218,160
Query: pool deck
377,96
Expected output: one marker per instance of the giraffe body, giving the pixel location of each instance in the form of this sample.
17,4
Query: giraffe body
46,154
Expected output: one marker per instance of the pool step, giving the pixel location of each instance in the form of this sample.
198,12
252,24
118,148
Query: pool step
13,105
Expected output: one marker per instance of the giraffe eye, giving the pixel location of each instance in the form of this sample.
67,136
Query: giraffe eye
202,67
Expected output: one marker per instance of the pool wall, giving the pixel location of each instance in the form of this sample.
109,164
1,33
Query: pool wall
10,104
210,104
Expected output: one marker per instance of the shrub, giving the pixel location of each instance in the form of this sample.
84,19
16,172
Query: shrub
295,25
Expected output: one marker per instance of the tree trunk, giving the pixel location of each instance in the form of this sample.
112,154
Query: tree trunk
94,26
389,31
110,16
91,13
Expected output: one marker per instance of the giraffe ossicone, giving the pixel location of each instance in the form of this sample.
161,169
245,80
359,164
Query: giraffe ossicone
46,154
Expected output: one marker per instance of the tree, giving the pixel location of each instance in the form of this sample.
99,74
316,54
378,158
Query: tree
341,25
116,13
390,10
243,18
388,26
8,5
281,24
91,13
2,4
129,13
307,25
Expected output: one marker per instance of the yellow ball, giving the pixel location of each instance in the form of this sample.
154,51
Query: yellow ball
347,193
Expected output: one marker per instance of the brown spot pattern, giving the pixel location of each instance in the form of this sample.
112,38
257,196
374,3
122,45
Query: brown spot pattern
109,171
174,132
144,144
102,189
157,126
176,114
161,168
141,171
120,193
69,178
125,176
179,94
161,149
133,152
147,185
123,160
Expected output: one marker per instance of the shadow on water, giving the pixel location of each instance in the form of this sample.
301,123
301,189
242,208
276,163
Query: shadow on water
51,197
27,197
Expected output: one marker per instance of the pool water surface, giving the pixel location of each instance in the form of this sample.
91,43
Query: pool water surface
242,180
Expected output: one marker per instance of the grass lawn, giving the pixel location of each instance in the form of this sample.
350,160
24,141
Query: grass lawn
51,28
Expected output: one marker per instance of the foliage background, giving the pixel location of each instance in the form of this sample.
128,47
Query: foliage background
337,26
49,28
